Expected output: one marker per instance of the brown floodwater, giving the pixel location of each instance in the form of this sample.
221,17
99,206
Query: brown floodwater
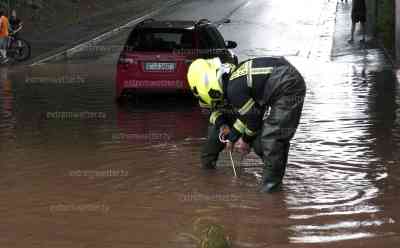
82,171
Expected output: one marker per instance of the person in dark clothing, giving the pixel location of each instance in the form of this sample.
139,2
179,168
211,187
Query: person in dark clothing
256,104
358,14
15,22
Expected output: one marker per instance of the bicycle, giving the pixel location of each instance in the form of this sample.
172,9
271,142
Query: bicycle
18,48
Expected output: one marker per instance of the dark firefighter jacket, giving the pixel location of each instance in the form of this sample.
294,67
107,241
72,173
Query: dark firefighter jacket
250,90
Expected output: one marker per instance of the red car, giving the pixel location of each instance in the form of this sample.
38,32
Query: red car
157,54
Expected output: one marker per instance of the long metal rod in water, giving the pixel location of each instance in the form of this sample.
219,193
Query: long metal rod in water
233,164
221,138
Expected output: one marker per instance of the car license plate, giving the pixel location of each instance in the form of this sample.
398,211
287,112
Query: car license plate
159,66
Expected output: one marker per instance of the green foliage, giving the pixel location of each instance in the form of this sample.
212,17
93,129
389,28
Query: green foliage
213,236
208,234
386,22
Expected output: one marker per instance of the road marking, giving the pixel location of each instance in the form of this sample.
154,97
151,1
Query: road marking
80,47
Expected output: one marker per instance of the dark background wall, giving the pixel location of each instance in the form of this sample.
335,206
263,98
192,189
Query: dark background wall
397,32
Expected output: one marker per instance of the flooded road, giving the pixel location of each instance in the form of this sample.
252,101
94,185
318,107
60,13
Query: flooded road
82,171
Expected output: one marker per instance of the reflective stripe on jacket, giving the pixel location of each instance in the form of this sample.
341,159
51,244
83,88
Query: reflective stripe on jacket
250,91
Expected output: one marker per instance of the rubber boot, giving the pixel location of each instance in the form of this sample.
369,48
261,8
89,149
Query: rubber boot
271,187
211,149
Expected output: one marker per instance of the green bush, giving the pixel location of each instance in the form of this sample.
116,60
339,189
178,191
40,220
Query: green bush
386,22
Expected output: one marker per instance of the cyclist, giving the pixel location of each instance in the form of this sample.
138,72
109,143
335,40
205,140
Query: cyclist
15,22
4,26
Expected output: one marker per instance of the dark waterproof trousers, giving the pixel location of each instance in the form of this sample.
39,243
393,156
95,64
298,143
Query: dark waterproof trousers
279,126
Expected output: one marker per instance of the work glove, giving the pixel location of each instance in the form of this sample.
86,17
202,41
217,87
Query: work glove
227,136
224,130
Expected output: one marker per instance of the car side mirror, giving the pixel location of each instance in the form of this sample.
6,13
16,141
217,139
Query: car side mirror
230,44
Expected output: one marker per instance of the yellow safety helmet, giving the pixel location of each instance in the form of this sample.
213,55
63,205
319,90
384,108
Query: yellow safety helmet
204,80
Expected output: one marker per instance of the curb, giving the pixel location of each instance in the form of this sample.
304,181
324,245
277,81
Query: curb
70,50
325,33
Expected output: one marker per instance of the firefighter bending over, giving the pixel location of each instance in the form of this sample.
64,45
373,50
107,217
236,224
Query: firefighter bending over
257,104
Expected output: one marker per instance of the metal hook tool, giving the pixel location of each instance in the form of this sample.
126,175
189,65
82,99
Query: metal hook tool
221,138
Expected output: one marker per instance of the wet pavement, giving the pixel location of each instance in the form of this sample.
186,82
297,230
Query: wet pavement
81,171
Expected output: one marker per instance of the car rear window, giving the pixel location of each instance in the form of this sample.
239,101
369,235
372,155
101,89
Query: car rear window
160,40
210,38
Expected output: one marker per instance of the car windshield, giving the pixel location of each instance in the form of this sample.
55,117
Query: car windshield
160,40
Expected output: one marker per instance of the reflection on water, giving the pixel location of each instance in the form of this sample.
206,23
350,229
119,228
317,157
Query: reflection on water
335,175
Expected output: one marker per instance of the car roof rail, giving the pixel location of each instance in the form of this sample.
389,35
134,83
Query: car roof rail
147,20
203,22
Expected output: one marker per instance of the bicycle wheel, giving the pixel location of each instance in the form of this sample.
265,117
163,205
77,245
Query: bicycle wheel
21,50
